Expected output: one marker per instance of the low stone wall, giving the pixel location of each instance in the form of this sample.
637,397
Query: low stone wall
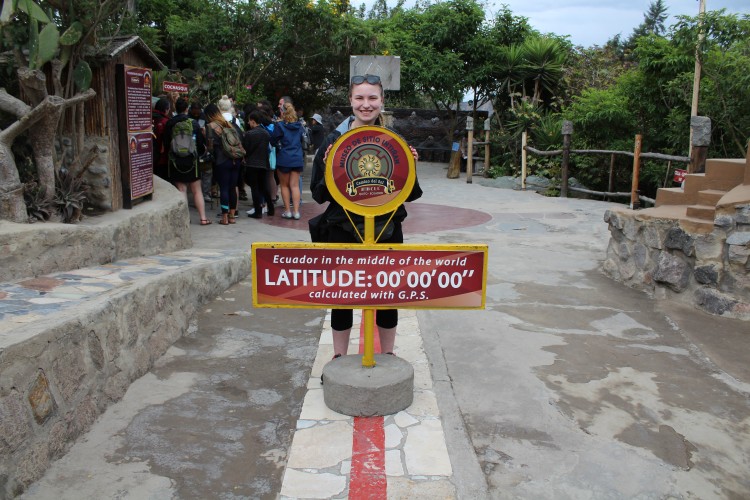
64,370
160,225
710,271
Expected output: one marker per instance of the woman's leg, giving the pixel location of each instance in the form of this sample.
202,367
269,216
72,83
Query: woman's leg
387,321
294,180
223,179
234,178
268,196
198,200
285,191
341,327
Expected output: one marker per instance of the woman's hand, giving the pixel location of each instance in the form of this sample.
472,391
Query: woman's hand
414,153
328,150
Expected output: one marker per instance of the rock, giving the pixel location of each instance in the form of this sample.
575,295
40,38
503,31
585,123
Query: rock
713,302
678,239
672,271
706,275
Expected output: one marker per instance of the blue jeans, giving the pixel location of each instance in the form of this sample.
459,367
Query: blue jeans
226,174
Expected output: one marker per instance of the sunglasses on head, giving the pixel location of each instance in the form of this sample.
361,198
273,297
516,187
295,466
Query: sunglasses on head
371,79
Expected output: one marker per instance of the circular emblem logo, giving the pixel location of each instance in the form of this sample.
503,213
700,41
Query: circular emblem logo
370,171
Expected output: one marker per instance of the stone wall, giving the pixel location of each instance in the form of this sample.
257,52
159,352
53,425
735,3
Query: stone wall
710,271
66,369
156,226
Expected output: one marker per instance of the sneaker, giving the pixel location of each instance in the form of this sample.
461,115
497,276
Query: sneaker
265,209
250,212
286,215
296,216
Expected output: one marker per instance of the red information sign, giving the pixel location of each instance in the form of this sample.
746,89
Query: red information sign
138,98
375,276
370,170
175,87
679,175
140,151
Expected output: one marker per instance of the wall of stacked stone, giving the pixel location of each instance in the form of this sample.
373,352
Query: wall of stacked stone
157,226
710,271
56,383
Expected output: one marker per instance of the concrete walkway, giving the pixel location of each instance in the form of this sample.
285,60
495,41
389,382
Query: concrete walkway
568,385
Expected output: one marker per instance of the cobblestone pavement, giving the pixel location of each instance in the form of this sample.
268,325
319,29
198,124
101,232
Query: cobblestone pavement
568,385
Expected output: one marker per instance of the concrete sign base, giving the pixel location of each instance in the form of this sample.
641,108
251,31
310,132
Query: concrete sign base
351,389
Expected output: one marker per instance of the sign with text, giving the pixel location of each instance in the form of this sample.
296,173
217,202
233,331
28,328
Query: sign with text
134,111
370,170
679,175
182,88
369,276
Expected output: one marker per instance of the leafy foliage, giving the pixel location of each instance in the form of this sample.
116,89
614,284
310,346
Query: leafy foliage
70,196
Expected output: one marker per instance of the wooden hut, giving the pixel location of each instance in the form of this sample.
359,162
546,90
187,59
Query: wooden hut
100,114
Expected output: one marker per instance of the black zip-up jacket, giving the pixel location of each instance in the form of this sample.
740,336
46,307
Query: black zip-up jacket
255,141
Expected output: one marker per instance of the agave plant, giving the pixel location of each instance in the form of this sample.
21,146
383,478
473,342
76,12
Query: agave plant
38,207
70,196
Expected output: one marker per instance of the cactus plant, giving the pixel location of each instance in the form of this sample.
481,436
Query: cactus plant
82,76
49,39
33,10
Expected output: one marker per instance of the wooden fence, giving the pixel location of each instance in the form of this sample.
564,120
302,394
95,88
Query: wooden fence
696,163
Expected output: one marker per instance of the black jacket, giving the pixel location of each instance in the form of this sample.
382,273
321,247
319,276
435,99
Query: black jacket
255,141
335,214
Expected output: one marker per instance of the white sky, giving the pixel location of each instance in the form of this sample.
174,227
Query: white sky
590,22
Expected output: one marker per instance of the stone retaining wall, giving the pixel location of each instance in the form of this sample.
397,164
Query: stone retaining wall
160,225
73,365
710,271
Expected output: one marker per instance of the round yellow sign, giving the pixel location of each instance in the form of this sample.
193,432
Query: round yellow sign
370,171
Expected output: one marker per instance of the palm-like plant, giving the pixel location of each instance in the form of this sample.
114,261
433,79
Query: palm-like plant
543,62
510,68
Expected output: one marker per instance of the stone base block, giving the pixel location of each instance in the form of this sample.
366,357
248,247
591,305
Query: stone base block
354,390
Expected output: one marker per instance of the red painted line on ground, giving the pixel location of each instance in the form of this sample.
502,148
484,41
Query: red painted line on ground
368,480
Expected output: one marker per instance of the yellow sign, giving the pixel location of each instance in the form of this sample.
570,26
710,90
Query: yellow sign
370,171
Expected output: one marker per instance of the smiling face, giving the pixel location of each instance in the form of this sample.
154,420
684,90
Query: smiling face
367,102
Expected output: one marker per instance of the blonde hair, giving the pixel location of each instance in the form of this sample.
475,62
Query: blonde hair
289,115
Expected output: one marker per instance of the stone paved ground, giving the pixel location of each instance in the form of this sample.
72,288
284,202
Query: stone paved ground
568,385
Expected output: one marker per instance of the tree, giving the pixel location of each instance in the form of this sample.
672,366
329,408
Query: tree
653,24
32,33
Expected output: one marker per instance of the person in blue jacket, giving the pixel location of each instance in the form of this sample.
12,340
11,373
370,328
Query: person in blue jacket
290,159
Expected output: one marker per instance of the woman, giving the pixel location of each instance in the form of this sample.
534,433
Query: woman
366,98
226,169
160,117
183,169
257,166
290,159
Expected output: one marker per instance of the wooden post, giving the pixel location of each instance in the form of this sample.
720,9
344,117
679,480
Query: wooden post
486,147
524,138
567,131
700,138
469,149
698,69
634,201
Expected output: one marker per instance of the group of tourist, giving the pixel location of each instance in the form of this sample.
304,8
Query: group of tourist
270,150
228,148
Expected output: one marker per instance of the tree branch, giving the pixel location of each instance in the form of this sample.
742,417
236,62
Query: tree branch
8,135
13,105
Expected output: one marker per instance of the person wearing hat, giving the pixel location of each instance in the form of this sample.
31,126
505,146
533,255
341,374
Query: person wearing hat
317,132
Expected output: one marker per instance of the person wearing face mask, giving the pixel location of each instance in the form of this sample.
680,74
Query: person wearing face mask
366,97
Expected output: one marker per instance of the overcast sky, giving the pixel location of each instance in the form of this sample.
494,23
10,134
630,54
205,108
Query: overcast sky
590,22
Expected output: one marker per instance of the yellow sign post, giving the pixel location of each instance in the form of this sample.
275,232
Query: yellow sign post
370,171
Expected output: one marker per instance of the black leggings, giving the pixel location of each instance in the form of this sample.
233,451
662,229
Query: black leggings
342,319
